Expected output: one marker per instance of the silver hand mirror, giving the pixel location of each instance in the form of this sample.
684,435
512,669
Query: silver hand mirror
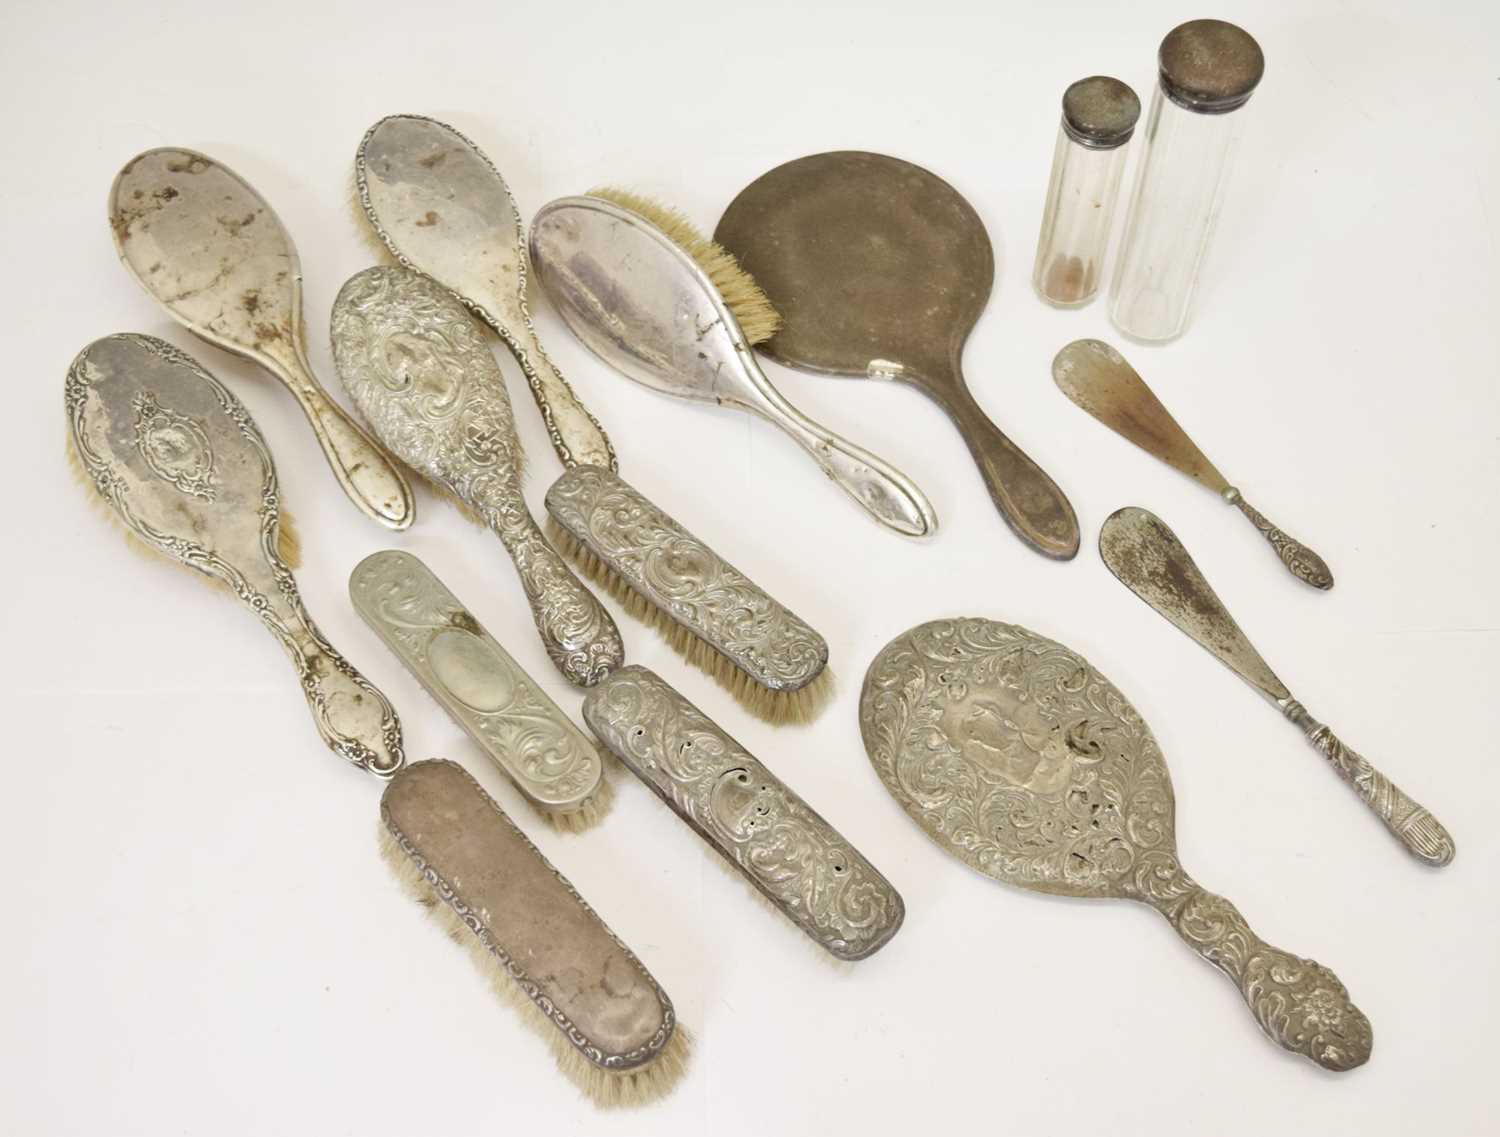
212,252
1021,760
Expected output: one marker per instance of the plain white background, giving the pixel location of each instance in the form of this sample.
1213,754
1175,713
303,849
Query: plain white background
200,937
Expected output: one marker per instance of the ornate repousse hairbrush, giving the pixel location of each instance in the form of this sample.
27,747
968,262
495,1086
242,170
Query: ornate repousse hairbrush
182,466
439,206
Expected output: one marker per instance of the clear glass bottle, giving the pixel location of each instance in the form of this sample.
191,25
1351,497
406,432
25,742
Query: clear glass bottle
1098,116
1208,69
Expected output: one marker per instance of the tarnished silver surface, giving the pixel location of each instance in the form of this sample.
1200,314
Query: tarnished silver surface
1149,560
687,580
784,848
1020,759
518,727
880,269
201,241
1098,378
440,206
587,983
418,368
645,307
178,458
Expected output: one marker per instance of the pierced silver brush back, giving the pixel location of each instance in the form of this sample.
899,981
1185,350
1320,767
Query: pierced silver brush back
745,813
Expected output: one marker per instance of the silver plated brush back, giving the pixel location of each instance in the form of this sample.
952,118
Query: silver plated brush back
748,815
419,369
183,466
510,718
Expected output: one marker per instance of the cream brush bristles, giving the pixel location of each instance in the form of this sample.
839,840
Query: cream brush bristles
757,318
777,707
636,1087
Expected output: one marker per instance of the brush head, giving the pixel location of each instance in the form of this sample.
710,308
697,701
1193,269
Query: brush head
757,318
543,949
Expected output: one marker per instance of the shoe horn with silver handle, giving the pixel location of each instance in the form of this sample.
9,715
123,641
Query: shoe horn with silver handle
180,461
1099,380
440,206
643,305
212,252
1149,560
419,369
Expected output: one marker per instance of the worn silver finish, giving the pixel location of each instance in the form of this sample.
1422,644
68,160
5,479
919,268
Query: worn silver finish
212,252
526,914
1024,762
418,368
1100,112
1149,560
643,305
757,823
180,461
512,720
1210,66
880,269
1098,378
440,206
686,580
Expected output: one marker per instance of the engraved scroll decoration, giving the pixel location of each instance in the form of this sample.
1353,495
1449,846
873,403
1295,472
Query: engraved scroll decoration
406,355
686,579
1412,824
769,833
335,691
532,989
512,717
1301,561
1016,755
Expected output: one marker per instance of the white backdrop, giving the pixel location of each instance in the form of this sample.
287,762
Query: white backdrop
201,938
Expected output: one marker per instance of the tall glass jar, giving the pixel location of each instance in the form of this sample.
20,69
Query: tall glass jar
1098,117
1207,71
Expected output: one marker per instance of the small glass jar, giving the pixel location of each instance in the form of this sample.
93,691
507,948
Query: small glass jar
1098,116
1207,71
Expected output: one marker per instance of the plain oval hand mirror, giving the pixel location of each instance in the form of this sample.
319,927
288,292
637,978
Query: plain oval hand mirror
879,268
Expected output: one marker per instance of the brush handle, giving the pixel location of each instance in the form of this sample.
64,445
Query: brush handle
1299,560
1030,502
1421,833
1300,1004
355,720
580,636
362,468
881,490
574,432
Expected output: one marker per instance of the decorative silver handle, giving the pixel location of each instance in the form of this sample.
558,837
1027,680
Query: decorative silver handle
883,491
1416,828
575,433
1300,561
580,636
354,719
368,476
1300,1004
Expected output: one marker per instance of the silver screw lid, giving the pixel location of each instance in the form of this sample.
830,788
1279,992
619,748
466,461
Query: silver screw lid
1100,112
1210,66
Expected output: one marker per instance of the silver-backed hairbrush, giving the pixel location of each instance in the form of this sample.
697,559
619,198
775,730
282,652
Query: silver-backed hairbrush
438,205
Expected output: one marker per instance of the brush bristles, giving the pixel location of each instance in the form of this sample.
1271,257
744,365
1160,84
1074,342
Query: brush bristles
589,812
636,1087
753,311
776,707
288,540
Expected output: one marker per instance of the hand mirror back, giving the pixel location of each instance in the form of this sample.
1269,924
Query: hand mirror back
880,268
1020,759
